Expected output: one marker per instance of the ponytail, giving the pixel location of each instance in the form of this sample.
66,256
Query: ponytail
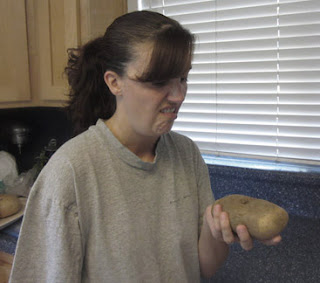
89,96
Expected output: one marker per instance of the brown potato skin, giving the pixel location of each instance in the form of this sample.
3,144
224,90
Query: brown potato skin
263,219
9,205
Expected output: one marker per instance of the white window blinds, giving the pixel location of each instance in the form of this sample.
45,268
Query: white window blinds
254,87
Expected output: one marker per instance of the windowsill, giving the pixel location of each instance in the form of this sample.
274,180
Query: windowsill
259,164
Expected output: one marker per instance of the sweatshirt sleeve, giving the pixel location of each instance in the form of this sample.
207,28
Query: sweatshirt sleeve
49,246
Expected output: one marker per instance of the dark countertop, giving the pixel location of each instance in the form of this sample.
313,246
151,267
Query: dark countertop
9,237
297,258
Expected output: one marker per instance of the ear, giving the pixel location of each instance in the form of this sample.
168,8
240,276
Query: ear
113,81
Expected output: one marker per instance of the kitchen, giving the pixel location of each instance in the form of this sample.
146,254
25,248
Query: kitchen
40,108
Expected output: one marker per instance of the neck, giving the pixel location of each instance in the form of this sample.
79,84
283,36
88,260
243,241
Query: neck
143,147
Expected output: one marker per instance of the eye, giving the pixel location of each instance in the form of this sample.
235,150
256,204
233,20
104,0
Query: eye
160,83
183,79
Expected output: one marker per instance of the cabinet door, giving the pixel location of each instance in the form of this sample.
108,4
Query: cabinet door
14,64
57,30
63,24
97,15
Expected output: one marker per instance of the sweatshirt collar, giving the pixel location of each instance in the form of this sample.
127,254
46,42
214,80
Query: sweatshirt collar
123,152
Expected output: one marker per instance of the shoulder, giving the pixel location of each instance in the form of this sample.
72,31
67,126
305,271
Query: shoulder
76,150
178,145
77,144
181,142
88,143
58,177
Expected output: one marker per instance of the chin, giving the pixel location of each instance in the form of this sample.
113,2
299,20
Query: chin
163,128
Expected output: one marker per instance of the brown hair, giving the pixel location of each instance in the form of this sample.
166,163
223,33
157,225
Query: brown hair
90,98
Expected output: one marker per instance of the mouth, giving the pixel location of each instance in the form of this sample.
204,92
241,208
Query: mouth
169,110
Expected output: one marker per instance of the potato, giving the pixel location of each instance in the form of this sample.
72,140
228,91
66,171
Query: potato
9,205
263,219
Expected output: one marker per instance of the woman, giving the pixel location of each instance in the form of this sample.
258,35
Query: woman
126,200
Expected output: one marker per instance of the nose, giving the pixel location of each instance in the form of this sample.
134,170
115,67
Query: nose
177,91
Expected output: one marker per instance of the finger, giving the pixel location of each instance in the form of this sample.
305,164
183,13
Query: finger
272,242
226,230
217,209
245,239
209,220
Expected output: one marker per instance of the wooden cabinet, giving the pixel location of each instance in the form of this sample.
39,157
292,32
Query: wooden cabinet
37,35
14,62
54,28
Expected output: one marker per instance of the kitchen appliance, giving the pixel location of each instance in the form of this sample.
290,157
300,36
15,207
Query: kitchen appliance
20,134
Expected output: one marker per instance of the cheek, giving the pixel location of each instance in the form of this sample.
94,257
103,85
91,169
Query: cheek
148,101
143,103
137,107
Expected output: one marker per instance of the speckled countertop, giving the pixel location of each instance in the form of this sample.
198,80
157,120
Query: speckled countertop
9,237
297,258
298,193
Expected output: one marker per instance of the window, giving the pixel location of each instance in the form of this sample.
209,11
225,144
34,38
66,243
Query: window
254,87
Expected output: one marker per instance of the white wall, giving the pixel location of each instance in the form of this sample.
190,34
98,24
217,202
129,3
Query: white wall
132,5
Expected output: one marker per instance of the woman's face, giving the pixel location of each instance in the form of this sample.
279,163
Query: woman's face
149,109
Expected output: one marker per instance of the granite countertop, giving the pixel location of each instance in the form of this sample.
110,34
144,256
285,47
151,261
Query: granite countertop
296,259
9,237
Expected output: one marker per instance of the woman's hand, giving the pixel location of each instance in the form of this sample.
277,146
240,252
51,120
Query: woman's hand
219,225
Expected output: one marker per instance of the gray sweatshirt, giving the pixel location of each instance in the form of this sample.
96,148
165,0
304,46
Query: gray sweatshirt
98,213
